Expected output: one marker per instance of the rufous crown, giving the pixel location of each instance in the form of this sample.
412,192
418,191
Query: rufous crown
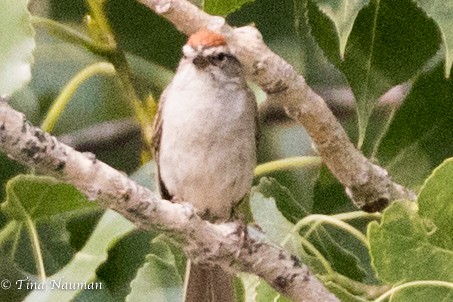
206,38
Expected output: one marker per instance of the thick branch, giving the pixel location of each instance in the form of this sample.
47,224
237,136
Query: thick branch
369,186
222,244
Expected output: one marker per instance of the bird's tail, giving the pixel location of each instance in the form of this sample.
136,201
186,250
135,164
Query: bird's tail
208,284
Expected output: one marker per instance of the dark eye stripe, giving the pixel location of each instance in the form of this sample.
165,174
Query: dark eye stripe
221,56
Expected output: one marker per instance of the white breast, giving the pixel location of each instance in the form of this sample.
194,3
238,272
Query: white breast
208,149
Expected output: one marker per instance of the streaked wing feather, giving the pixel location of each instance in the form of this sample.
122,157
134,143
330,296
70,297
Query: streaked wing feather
157,136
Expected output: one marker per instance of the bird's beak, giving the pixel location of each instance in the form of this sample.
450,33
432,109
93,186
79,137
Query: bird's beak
200,62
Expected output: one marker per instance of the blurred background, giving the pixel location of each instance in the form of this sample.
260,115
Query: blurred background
99,119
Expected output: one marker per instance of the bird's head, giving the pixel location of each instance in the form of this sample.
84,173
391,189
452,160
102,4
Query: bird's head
209,51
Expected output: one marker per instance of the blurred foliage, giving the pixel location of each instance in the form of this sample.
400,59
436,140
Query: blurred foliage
384,49
17,43
48,228
441,13
421,130
222,8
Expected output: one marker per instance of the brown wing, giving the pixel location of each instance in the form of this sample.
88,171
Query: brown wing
257,120
257,127
157,136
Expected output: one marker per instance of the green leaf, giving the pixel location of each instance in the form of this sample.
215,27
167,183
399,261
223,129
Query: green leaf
145,176
158,279
55,246
421,293
9,268
256,290
25,101
120,256
401,250
250,282
277,228
9,169
442,13
400,222
97,100
149,42
341,250
272,222
343,253
266,214
16,46
90,295
164,248
40,197
420,136
436,203
265,293
343,294
329,195
384,49
342,14
223,7
82,268
286,204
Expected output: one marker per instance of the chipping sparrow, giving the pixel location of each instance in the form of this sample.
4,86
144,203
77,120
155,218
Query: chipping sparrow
205,143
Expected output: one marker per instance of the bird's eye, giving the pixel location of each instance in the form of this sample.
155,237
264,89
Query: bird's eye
221,56
218,59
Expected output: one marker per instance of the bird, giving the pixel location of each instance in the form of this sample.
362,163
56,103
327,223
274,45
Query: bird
205,145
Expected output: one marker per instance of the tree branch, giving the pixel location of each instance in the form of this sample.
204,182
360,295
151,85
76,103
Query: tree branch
368,185
222,244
